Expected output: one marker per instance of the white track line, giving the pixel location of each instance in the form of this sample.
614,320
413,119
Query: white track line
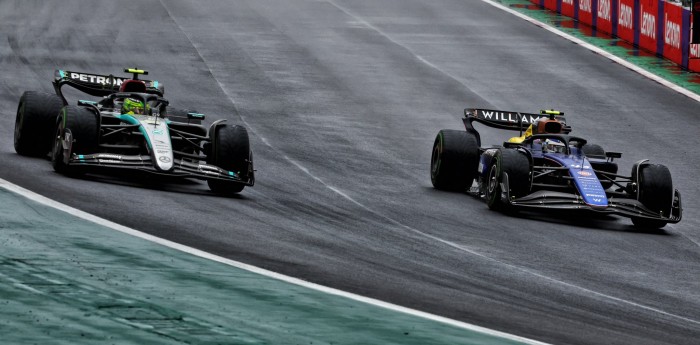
599,51
202,254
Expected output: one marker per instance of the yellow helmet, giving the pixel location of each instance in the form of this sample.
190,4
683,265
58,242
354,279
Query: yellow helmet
132,106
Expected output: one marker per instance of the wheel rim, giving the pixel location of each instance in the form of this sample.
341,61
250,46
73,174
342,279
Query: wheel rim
56,153
493,180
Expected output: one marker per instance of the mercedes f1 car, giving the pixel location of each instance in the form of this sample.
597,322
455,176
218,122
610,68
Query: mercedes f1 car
130,127
547,168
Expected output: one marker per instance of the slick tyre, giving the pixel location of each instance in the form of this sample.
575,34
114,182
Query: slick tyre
593,151
230,150
83,125
597,152
35,122
454,160
515,165
655,192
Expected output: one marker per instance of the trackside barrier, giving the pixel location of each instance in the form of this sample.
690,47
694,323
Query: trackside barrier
658,26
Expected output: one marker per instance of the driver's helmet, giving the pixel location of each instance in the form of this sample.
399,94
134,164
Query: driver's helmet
553,146
132,106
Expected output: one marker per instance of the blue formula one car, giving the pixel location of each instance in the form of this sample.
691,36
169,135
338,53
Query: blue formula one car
131,126
546,168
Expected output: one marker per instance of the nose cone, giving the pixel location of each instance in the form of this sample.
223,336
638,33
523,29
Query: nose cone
587,183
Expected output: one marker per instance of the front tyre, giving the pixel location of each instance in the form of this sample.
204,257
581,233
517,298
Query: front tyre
77,132
514,164
230,150
34,122
655,192
454,160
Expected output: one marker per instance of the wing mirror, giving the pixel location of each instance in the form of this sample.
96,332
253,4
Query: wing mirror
612,155
195,116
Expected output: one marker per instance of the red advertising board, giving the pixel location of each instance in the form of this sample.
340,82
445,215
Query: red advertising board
625,20
585,11
605,16
673,22
551,5
694,62
568,8
648,24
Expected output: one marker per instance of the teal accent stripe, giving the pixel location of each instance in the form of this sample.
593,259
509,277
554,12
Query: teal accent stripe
131,120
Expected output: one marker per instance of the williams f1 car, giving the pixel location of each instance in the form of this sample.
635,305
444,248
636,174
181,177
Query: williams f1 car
547,168
131,126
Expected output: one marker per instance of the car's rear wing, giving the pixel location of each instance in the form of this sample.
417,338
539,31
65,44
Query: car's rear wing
511,120
96,84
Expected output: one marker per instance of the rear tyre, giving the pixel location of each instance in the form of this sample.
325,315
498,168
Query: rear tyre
597,152
230,150
454,161
35,122
655,192
83,125
514,164
593,151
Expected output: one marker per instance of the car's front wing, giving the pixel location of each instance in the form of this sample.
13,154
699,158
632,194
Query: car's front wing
621,206
181,167
554,200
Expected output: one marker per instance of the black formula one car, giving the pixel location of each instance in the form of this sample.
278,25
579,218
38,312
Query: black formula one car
546,168
130,127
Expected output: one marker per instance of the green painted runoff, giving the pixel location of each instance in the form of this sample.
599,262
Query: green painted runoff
64,280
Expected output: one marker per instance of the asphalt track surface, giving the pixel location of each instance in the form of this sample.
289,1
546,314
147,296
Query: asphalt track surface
343,100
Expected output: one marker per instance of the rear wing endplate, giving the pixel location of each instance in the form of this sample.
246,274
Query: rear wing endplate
96,84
